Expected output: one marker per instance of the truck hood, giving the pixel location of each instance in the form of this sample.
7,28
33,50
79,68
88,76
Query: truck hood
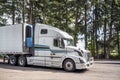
76,48
72,47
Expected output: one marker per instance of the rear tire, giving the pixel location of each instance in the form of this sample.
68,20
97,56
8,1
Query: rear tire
22,61
12,60
69,65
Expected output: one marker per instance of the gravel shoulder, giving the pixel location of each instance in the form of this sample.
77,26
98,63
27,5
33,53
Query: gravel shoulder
102,70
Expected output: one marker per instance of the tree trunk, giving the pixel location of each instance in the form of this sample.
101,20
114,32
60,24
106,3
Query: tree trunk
97,53
93,40
76,23
23,11
118,41
86,25
110,33
66,12
31,12
93,37
105,38
96,25
13,12
44,12
105,25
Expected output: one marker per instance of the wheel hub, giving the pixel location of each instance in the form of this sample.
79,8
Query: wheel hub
69,65
21,62
12,61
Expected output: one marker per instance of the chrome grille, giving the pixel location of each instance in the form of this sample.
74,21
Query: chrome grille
88,56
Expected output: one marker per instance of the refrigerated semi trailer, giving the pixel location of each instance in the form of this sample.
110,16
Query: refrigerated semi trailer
42,45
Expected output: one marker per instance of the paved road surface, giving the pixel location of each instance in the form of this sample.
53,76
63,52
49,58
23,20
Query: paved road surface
102,70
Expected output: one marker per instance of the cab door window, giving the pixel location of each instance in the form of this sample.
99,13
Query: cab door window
58,43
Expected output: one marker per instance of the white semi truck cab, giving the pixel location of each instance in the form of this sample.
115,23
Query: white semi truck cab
42,45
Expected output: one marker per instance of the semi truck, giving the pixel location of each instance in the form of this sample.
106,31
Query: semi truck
42,45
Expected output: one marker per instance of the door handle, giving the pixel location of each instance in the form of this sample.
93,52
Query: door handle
52,53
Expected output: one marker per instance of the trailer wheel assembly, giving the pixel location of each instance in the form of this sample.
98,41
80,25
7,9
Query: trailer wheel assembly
22,61
12,60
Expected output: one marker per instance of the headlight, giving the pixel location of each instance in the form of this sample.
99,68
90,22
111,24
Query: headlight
81,61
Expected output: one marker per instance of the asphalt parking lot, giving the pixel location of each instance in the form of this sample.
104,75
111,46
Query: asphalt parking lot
102,70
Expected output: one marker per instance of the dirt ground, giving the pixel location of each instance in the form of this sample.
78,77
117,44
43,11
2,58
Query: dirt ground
102,70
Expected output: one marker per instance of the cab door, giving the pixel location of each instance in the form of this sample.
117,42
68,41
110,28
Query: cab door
58,52
56,57
29,36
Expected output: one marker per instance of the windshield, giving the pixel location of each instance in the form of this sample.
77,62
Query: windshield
68,42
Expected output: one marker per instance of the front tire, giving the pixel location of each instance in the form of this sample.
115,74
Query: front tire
22,61
69,65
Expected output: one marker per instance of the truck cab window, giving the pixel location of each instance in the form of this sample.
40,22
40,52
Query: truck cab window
58,43
44,31
28,31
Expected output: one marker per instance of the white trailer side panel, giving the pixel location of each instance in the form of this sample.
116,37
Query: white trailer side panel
11,38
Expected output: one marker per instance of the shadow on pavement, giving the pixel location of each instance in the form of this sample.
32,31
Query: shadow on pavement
37,68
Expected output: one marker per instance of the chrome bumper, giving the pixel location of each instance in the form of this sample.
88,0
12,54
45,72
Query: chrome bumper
86,65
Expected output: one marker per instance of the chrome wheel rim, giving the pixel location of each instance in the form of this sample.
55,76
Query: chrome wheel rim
69,65
21,61
12,61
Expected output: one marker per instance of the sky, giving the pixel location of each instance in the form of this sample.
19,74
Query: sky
81,42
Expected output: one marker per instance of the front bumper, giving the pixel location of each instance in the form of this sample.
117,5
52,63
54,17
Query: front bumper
86,65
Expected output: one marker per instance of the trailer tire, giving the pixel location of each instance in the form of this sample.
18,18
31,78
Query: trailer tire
69,65
22,61
12,60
